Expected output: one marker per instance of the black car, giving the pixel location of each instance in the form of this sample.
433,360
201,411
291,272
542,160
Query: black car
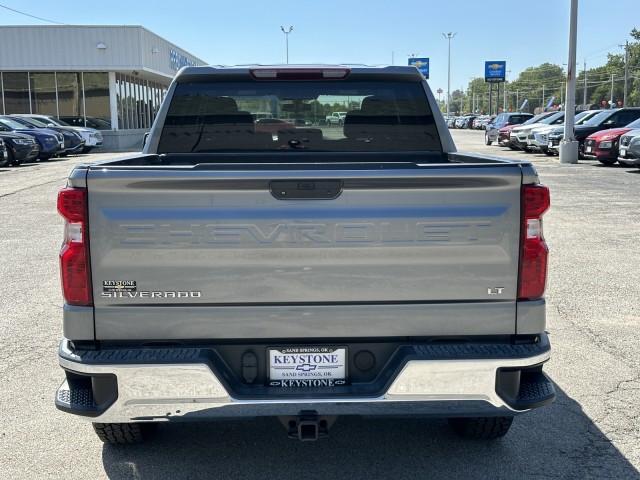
91,122
20,148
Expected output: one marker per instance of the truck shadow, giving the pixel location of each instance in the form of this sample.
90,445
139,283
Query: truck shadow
558,441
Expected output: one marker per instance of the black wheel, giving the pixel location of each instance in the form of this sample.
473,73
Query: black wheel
548,153
486,139
480,428
12,158
6,161
339,123
607,162
581,150
122,433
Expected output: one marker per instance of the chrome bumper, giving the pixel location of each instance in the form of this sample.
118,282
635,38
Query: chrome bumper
183,391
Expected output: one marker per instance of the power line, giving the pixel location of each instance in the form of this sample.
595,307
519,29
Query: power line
32,16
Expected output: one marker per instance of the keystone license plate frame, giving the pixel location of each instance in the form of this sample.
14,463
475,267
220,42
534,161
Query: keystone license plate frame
307,366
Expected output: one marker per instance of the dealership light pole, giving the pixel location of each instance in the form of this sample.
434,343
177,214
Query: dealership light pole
449,36
569,146
286,34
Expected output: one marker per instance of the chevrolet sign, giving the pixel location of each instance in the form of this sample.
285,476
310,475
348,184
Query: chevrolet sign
494,71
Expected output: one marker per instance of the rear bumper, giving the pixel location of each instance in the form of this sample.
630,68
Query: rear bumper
113,386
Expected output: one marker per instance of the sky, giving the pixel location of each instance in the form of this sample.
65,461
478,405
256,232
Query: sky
372,32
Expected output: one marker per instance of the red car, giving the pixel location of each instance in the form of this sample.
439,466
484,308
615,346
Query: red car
604,145
272,125
503,136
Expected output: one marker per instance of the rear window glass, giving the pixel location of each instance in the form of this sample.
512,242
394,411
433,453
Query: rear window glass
287,116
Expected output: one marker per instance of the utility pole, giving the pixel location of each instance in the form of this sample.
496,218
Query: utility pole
626,72
611,100
569,146
449,36
286,34
584,99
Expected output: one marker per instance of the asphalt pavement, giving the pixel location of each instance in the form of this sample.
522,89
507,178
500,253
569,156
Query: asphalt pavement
593,317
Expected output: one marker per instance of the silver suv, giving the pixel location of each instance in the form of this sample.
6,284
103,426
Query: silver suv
503,120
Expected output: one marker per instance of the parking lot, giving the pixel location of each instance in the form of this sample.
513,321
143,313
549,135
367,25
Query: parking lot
593,317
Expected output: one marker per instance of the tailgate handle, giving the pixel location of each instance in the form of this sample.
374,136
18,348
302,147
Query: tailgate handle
305,189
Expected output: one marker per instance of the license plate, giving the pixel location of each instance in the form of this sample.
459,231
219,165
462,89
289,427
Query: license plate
623,152
588,149
303,367
550,145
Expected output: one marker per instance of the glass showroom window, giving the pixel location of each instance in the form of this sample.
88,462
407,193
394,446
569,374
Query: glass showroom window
43,93
2,110
16,92
70,94
96,95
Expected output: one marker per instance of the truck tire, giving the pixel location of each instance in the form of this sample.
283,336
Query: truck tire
122,433
481,428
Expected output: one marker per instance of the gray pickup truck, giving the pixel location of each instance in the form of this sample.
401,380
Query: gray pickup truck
303,273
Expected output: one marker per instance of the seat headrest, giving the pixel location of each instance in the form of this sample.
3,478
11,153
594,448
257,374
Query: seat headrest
221,105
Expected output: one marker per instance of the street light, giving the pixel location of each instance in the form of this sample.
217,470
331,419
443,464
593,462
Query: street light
286,34
449,36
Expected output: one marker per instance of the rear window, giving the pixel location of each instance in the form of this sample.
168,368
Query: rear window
287,116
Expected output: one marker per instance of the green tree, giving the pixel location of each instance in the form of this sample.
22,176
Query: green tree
538,85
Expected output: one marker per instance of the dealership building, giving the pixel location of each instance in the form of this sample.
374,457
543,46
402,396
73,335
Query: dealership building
116,73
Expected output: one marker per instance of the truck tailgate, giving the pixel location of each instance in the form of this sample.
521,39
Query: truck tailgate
230,254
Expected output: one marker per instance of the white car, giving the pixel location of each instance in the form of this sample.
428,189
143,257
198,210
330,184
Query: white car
91,136
629,151
519,135
538,138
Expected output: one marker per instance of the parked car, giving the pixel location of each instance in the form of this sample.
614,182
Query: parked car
87,122
518,135
485,120
4,159
503,120
465,121
603,120
272,125
21,148
92,137
603,145
50,142
538,139
629,153
556,135
73,141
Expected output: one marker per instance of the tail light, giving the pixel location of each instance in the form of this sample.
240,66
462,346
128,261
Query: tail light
74,255
533,249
